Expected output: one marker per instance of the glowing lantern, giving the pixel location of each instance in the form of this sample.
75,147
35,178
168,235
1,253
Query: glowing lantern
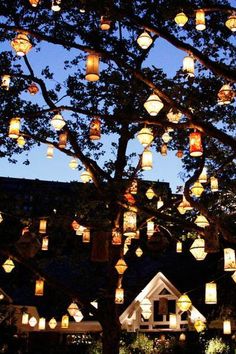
95,129
138,252
188,65
80,230
45,242
184,206
200,20
166,137
210,293
8,265
58,122
229,260
34,3
225,95
21,44
73,164
199,325
144,40
105,24
25,318
42,226
50,151
86,235
150,193
1,218
56,5
119,296
39,287
164,149
146,162
201,221
14,128
130,223
65,321
179,247
153,105
92,67
182,337
5,82
181,19
184,303
146,314
172,321
116,237
32,321
160,203
203,176
86,176
72,309
145,136
231,23
78,316
21,141
134,187
33,89
62,140
174,116
214,184
197,189
146,306
42,323
198,249
195,142
121,266
179,154
125,249
150,227
52,323
226,327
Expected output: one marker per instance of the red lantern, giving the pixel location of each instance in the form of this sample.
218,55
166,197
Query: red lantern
195,142
33,89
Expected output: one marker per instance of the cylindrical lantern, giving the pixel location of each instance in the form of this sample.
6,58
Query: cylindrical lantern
25,318
8,265
144,40
72,308
150,227
116,237
179,154
86,176
121,266
225,95
21,44
42,226
214,184
56,5
197,189
181,19
150,193
42,323
201,221
34,3
105,23
164,149
179,247
5,82
57,122
95,129
52,323
92,67
195,144
211,293
200,20
73,164
14,128
160,203
203,176
62,140
184,303
32,321
172,321
166,137
231,23
153,105
138,252
130,223
199,325
21,141
78,316
50,151
146,162
33,89
145,136
227,327
119,296
174,116
188,65
229,260
198,249
86,235
39,287
45,242
65,321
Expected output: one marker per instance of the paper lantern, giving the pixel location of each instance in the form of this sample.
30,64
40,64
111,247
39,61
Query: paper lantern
80,230
78,316
116,237
130,223
150,227
86,176
184,303
210,293
21,141
144,40
72,308
174,116
214,184
58,122
146,306
234,277
188,65
42,323
198,249
182,337
65,321
172,321
179,154
105,23
184,206
199,325
95,129
1,218
229,260
166,137
227,327
92,67
134,187
150,193
42,226
146,162
62,140
14,128
125,249
195,142
145,136
56,5
201,221
52,323
5,84
86,235
203,176
164,149
33,321
197,189
8,265
21,44
39,287
50,151
200,20
225,95
33,89
231,23
153,105
34,3
181,19
25,318
121,266
160,203
138,252
179,247
73,164
119,296
45,242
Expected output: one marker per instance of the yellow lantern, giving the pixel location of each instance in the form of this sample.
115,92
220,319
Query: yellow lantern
203,176
14,128
32,321
119,296
146,162
105,23
42,226
138,252
150,193
227,327
21,141
166,137
201,221
8,265
144,40
181,19
184,303
62,140
42,323
21,44
179,247
86,176
150,227
225,95
34,3
164,149
92,67
50,151
130,223
160,203
52,323
172,321
5,82
72,308
39,287
182,337
234,276
153,105
121,266
200,20
197,189
95,129
65,321
78,316
45,242
116,237
73,164
125,249
229,260
58,122
231,23
210,293
179,154
188,65
174,116
145,136
198,249
214,184
56,5
25,318
199,325
33,89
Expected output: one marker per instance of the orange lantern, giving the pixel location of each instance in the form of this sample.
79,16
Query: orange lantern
34,3
105,23
164,149
116,237
179,154
39,287
14,128
62,140
195,141
21,44
225,95
95,129
200,20
92,67
119,296
33,89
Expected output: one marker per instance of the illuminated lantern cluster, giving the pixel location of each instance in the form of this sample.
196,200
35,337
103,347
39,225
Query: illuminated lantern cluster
225,95
181,19
153,105
184,303
33,89
195,144
95,129
145,136
92,67
21,44
14,128
144,40
198,249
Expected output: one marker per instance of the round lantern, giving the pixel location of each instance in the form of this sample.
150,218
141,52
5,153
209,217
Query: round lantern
119,296
21,44
166,137
73,164
172,321
121,266
56,5
105,23
39,287
184,303
182,337
52,323
200,20
86,176
145,136
42,323
95,129
8,265
174,116
65,321
50,151
144,40
179,154
62,140
32,321
164,149
181,19
5,84
34,3
203,176
33,89
199,325
231,23
214,184
160,203
138,252
130,223
210,293
25,318
78,316
58,122
72,308
146,162
92,67
188,65
197,189
227,327
150,193
229,260
21,141
179,247
225,95
198,249
153,105
14,128
195,144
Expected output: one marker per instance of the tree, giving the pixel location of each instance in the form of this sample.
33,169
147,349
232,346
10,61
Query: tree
125,83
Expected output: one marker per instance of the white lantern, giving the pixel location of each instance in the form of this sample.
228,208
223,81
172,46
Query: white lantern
65,321
179,247
5,82
172,321
227,327
144,40
52,323
160,203
73,164
138,252
198,249
229,260
188,65
56,5
78,316
146,306
146,162
86,176
200,20
21,141
203,176
201,221
145,136
58,122
211,293
32,321
214,184
174,116
45,242
72,308
153,104
50,151
42,323
166,137
25,318
150,228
